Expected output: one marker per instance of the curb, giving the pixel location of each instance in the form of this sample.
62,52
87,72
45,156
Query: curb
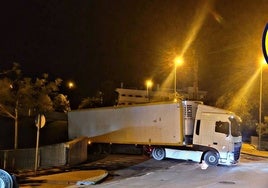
252,150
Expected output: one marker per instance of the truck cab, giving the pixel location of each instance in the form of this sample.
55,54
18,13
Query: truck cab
217,133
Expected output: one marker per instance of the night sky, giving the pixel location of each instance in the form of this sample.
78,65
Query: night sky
95,41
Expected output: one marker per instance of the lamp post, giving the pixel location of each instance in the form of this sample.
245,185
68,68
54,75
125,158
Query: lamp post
177,62
260,101
148,84
70,90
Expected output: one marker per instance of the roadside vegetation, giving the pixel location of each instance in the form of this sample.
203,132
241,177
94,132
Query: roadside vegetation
23,98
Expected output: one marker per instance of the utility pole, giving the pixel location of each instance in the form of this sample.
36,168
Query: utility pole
260,108
195,82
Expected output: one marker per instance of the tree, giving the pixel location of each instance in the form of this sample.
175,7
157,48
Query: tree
243,107
263,127
107,92
103,97
61,103
90,102
21,96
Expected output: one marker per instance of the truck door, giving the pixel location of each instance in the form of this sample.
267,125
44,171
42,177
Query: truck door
221,136
204,132
212,133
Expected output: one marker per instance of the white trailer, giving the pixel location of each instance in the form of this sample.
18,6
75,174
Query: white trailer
185,130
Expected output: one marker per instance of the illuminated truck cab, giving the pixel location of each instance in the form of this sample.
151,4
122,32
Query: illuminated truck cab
219,130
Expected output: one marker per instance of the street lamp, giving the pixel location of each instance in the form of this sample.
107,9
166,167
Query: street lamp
70,85
262,63
70,91
177,62
148,84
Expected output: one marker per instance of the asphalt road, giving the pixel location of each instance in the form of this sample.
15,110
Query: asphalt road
139,170
251,172
124,166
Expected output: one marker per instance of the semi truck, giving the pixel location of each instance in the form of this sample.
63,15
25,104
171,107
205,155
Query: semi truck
187,130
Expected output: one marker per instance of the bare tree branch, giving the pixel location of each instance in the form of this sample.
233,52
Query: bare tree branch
6,112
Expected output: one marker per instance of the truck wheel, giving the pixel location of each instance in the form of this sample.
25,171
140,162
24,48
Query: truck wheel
211,158
5,179
158,154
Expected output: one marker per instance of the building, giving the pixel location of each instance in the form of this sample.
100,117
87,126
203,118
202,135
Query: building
135,96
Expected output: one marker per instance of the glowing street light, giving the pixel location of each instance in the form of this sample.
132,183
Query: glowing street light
70,85
148,84
262,63
177,62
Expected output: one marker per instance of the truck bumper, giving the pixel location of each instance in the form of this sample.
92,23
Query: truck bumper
229,160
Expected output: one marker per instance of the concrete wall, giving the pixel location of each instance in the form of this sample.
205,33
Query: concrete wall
70,153
263,145
77,151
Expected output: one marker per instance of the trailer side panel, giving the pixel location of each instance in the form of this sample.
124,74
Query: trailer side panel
157,124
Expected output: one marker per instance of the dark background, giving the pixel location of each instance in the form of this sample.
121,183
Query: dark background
93,42
55,131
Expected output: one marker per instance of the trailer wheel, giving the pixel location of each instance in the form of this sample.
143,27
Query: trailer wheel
211,158
158,154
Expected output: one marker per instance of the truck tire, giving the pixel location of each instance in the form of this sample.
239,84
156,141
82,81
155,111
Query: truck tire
159,154
5,179
211,158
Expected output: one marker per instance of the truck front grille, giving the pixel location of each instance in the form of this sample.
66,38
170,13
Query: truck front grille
188,109
237,149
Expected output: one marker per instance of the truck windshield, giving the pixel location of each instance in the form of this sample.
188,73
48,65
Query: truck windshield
235,126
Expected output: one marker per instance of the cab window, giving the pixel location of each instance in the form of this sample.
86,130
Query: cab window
222,127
